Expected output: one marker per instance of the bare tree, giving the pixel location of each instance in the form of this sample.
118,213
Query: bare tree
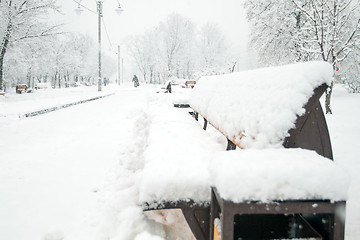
61,60
22,19
273,26
176,33
138,48
332,29
214,50
176,49
301,30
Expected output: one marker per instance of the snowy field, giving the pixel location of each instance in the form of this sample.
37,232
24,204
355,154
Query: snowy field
74,174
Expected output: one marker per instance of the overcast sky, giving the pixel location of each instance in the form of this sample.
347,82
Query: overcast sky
142,15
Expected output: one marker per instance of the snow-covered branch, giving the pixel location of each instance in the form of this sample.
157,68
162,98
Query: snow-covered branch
44,33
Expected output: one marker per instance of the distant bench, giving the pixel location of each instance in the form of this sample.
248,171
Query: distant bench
261,109
21,88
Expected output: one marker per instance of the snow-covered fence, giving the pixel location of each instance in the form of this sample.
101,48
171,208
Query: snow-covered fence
262,111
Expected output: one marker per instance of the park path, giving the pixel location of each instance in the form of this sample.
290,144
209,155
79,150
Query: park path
60,176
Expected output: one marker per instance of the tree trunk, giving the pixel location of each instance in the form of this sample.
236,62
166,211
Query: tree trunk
328,98
232,69
66,81
3,48
55,78
46,78
28,79
2,55
144,74
151,75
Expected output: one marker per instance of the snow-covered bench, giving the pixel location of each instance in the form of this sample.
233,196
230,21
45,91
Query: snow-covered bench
282,186
270,108
176,163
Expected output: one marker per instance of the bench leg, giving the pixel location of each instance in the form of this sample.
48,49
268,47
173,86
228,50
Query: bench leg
339,229
230,145
227,225
198,219
205,124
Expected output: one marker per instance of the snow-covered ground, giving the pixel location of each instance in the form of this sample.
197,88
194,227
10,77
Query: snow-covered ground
344,131
16,105
58,170
74,174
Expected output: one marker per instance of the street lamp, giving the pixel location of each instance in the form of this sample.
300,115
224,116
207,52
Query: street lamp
79,10
99,12
118,78
119,10
118,61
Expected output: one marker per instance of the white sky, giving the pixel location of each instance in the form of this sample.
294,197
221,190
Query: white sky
142,15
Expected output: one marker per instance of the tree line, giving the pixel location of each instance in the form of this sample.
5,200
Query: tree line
34,50
285,31
176,48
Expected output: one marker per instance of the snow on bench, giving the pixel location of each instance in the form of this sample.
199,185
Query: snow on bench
277,174
257,108
176,159
266,109
268,183
176,167
263,111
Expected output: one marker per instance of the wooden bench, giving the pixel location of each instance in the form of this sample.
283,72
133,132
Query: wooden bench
21,88
42,85
310,130
190,84
307,130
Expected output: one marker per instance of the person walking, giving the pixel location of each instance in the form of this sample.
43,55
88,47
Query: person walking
136,81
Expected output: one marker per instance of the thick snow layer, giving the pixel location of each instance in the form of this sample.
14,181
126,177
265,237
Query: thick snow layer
179,153
74,174
257,108
180,95
277,174
62,174
176,159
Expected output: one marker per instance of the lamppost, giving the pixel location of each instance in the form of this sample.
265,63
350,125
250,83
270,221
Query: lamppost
118,64
118,79
99,12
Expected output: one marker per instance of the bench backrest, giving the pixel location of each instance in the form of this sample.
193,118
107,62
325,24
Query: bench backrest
21,86
311,131
269,107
